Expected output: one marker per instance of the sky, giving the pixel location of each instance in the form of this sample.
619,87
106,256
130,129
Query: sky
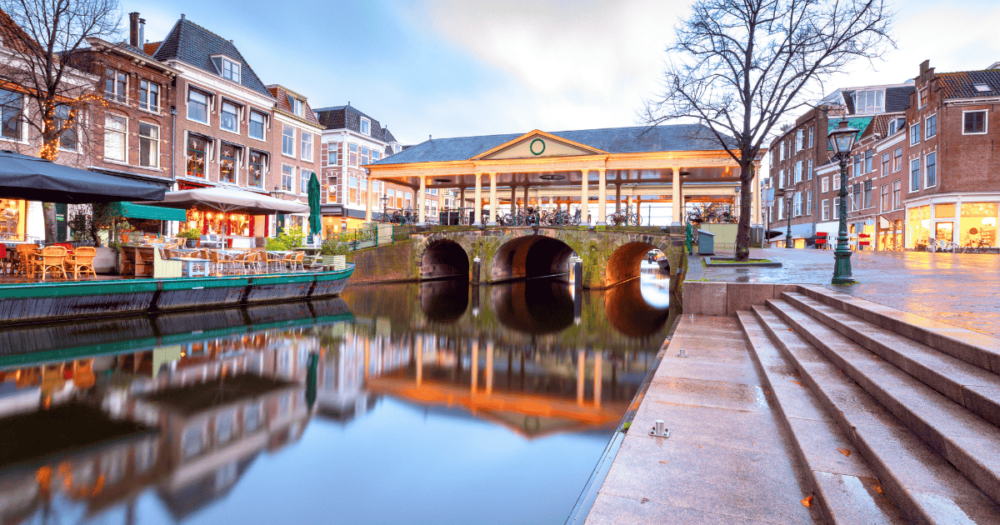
451,68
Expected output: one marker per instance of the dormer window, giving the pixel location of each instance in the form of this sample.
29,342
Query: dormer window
982,88
366,126
298,107
896,125
866,102
230,70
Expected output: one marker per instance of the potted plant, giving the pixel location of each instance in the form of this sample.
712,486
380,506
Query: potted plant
334,253
192,235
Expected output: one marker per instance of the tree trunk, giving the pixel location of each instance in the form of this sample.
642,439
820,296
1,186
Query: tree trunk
50,148
746,202
49,215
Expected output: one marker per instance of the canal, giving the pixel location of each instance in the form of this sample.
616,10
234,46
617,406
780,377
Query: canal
405,403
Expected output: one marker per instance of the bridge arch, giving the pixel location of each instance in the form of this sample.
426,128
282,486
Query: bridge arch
527,256
444,258
625,262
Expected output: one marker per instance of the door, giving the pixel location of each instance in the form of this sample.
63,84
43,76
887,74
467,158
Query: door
944,231
60,222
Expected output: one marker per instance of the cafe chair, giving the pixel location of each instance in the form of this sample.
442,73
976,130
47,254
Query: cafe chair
22,262
50,258
82,260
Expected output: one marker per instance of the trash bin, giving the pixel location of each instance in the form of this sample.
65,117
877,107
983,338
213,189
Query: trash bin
706,242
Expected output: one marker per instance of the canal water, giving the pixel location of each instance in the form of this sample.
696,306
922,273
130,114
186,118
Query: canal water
408,403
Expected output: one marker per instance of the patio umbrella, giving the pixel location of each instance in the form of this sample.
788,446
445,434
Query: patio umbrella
32,178
229,200
315,220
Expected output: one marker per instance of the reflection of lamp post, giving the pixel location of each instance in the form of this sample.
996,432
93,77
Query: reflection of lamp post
841,140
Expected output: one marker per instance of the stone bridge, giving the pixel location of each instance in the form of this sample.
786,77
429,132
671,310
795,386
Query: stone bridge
610,256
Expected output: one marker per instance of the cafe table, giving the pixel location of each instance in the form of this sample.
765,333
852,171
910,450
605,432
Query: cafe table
189,266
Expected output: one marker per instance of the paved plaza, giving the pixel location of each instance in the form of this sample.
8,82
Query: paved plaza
960,289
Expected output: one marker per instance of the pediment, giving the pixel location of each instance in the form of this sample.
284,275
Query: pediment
538,144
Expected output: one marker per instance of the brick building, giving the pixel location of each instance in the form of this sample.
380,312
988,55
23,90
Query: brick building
351,140
296,146
952,188
799,157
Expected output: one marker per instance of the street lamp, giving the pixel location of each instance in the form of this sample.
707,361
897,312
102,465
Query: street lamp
841,140
787,194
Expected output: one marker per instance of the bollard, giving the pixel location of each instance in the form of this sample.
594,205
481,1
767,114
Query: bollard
578,274
475,271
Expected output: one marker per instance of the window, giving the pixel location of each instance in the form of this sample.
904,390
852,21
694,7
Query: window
149,145
886,203
798,172
836,182
149,96
896,125
859,164
298,107
304,181
230,70
399,199
257,121
409,200
836,208
376,155
366,126
921,99
67,139
915,134
868,101
354,155
227,164
307,145
256,173
115,86
781,178
781,153
11,109
809,170
798,205
810,137
197,107
363,195
364,155
809,202
197,153
914,174
798,140
352,190
230,118
287,140
973,122
781,209
868,195
115,132
930,126
287,174
824,185
855,196
869,154
826,210
897,200
331,155
885,164
931,170
897,159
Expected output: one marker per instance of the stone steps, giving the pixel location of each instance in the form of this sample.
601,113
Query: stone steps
922,447
844,485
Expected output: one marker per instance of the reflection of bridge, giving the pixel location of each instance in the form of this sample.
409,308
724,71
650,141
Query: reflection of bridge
609,257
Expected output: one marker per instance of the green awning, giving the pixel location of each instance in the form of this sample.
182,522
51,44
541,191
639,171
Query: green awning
138,211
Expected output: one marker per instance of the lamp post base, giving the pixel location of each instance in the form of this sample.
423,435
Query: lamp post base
842,268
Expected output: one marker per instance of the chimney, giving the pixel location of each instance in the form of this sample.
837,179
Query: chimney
142,33
133,29
924,66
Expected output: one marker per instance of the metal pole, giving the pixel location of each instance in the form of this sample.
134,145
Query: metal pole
788,210
842,264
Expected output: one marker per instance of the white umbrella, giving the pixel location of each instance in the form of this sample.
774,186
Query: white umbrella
229,200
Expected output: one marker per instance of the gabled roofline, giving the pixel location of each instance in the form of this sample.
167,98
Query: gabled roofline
538,132
98,44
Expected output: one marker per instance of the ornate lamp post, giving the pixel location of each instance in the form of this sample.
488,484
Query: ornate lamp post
841,140
788,194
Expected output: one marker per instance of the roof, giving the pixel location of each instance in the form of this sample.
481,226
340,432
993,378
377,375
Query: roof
349,117
879,125
192,44
282,94
678,137
151,47
898,98
962,84
859,123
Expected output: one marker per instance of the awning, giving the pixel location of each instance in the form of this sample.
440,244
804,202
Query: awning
32,178
138,211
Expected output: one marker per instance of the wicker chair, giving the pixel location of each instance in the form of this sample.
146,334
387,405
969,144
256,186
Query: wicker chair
82,259
51,258
22,264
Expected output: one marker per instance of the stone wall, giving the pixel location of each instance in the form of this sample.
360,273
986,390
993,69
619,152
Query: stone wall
725,299
387,263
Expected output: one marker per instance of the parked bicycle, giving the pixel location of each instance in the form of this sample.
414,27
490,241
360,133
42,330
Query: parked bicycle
935,245
977,246
624,217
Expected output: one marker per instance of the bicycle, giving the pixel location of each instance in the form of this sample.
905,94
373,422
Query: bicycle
624,217
978,246
935,245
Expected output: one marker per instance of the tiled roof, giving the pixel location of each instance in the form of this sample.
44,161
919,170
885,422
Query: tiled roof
151,47
679,137
879,125
898,98
962,84
348,117
192,44
282,94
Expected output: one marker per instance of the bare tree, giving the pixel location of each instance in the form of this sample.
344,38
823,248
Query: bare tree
739,66
37,36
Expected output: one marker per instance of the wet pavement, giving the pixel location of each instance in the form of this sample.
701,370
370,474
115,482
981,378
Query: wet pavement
407,403
728,458
959,289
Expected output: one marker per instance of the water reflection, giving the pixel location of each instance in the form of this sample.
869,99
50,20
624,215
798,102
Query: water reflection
418,396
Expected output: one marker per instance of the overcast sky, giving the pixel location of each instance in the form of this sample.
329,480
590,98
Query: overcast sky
463,67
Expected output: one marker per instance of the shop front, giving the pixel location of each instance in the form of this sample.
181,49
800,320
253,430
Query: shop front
965,222
338,219
12,219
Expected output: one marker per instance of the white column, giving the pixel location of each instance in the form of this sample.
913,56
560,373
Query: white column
477,213
368,205
675,198
584,198
602,197
421,221
493,199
